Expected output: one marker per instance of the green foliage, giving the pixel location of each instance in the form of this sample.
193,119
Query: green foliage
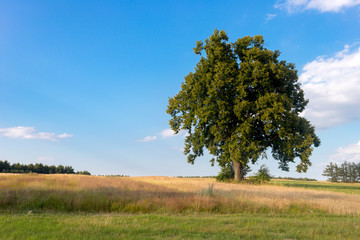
294,178
6,167
227,172
83,173
262,176
347,172
240,101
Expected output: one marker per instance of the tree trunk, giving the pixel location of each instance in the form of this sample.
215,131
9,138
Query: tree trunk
238,171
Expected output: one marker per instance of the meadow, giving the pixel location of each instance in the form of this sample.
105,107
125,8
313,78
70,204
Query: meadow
351,188
93,207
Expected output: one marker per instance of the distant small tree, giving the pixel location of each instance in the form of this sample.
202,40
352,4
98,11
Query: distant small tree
263,175
357,172
69,170
16,168
83,173
4,166
38,168
343,173
60,169
31,168
331,171
46,169
353,174
52,169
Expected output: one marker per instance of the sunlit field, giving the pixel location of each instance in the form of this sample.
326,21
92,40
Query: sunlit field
76,193
167,207
352,188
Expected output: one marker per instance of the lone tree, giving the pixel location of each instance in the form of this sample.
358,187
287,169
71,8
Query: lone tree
240,101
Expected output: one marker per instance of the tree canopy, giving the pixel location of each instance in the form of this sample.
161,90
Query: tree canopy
240,101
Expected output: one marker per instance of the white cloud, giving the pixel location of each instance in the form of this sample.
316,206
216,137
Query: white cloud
332,84
270,16
170,133
64,135
148,139
320,5
167,133
30,133
349,153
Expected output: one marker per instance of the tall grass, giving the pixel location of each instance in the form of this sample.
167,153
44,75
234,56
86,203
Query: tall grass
69,193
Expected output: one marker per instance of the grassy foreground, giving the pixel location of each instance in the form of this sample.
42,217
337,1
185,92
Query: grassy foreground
204,226
91,207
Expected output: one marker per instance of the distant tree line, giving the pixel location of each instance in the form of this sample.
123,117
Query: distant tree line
298,179
346,172
7,167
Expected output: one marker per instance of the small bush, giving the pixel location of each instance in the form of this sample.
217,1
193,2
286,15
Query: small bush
83,173
262,176
227,172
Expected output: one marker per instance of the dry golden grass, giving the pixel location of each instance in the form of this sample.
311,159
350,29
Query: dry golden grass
163,194
278,197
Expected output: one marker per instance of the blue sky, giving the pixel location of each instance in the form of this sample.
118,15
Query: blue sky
86,83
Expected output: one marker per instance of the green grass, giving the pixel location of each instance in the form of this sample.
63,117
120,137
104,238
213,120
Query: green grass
90,207
91,194
350,188
161,226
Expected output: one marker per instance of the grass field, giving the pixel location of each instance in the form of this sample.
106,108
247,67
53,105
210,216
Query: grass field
174,226
352,188
93,207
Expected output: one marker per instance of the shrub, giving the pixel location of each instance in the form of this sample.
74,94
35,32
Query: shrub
227,172
262,176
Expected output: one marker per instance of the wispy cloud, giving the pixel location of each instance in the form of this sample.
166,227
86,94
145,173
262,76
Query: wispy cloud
332,84
320,5
167,133
30,133
147,139
270,16
350,153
